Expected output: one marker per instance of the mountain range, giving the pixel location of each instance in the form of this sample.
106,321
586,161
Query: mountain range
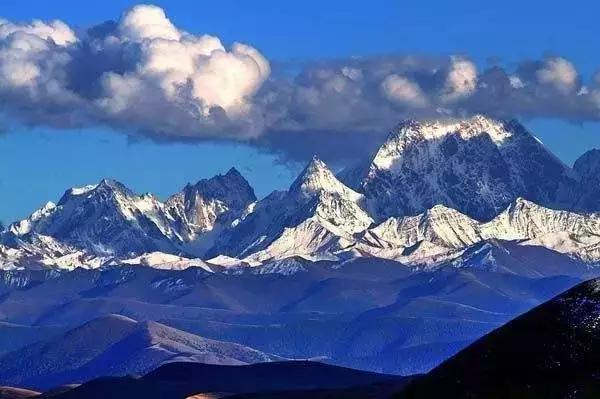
449,231
433,190
550,352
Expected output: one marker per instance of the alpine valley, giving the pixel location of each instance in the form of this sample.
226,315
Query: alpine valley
448,231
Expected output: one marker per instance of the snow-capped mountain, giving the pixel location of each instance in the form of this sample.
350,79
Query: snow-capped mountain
433,190
442,233
106,219
219,200
315,218
107,224
476,166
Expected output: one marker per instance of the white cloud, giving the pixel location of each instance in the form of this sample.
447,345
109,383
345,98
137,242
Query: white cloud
400,89
559,73
33,58
55,31
143,75
461,80
147,22
191,73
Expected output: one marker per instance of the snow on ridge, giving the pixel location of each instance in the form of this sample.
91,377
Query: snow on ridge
321,218
317,178
446,231
410,131
83,190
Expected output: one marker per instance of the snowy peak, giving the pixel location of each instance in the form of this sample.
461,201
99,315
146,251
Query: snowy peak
105,189
317,216
525,220
336,206
442,232
25,226
231,188
106,219
411,131
317,178
477,166
438,230
197,208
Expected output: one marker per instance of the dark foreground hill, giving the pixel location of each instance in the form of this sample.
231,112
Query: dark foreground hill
16,393
553,351
181,380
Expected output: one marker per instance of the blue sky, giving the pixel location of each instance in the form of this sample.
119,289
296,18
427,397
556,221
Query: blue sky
38,164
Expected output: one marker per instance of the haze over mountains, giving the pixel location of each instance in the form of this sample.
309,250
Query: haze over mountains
550,352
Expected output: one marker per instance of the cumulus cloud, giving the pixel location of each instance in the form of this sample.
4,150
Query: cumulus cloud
559,73
400,89
461,80
163,81
143,75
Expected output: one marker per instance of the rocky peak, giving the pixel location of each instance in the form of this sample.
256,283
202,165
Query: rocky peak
317,178
231,188
220,199
588,169
476,165
105,189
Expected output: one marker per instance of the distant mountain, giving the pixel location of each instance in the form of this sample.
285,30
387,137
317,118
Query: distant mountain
115,346
107,223
182,380
198,208
442,233
316,217
366,313
431,192
477,166
106,219
588,168
550,352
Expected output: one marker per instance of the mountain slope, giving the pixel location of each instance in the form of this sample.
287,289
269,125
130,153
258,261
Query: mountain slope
476,166
442,233
114,346
106,219
17,393
107,223
364,313
316,217
551,351
588,168
218,200
181,380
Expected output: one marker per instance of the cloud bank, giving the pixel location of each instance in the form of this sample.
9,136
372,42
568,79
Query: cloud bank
142,75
